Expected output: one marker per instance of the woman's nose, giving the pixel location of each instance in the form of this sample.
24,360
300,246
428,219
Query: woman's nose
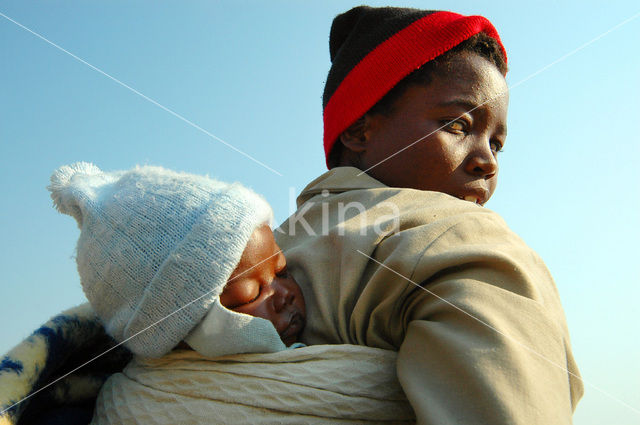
482,162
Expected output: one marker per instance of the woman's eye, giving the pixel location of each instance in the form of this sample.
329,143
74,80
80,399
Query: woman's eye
457,126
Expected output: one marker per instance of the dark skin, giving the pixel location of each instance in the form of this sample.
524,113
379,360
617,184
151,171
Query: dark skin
261,286
459,159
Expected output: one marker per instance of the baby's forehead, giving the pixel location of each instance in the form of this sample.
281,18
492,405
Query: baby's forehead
260,251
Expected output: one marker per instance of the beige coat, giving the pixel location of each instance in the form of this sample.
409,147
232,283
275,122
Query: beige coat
472,310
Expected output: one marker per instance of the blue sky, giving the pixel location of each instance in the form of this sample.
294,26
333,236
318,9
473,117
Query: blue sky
252,74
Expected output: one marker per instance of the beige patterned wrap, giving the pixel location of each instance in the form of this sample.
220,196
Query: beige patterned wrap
321,384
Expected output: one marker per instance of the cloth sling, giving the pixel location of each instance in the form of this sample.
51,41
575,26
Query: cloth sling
322,384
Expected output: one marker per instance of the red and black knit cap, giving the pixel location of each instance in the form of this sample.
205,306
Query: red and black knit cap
373,49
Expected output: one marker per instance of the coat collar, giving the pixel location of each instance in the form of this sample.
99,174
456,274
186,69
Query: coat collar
337,180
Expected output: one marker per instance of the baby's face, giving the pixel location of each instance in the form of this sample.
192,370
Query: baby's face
261,286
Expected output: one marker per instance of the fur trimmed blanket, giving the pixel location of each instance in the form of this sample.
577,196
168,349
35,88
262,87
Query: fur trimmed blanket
61,345
321,384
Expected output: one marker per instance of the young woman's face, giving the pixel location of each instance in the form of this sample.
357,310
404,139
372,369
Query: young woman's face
261,286
459,159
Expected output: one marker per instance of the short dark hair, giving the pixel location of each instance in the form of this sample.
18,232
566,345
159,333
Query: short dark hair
481,44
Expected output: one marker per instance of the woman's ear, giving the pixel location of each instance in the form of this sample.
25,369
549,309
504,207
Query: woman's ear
354,138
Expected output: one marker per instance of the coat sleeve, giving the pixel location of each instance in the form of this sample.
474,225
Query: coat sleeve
485,337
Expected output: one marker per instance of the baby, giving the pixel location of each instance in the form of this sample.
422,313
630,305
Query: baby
261,286
170,259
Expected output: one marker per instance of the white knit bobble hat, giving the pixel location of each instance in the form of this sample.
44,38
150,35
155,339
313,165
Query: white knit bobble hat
156,247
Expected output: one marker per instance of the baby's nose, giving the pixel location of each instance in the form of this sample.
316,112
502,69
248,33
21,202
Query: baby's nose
282,296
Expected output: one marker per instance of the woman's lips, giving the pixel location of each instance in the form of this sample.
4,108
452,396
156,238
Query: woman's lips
478,196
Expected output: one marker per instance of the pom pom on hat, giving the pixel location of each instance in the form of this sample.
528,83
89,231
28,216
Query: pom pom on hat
62,191
156,247
61,178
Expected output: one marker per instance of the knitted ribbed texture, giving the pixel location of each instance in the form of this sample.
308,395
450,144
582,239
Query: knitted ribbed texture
321,384
156,247
373,49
